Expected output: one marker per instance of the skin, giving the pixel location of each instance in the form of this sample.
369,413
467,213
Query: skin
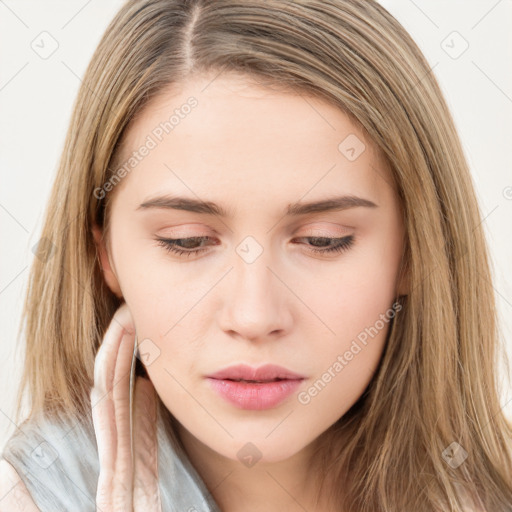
254,151
124,484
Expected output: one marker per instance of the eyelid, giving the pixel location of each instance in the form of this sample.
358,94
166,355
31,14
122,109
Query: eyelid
324,232
340,245
186,232
323,225
310,230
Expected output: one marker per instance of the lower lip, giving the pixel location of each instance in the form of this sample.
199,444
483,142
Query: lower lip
246,395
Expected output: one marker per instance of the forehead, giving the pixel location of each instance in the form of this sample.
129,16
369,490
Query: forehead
226,135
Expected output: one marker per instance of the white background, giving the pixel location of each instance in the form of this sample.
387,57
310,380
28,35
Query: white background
36,97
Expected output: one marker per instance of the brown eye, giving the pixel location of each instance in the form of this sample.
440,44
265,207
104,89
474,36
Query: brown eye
183,246
327,245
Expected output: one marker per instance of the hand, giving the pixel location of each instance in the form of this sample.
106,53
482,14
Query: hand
124,484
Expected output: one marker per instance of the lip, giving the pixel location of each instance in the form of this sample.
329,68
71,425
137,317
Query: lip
255,395
263,373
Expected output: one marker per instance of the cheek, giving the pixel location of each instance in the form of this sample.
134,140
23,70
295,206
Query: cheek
346,363
158,292
165,325
357,309
174,352
339,384
350,296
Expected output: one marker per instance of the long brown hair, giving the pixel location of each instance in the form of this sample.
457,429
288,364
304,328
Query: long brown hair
437,382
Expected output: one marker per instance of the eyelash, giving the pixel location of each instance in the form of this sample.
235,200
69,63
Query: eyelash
169,244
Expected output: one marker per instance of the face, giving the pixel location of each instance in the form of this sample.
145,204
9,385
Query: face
258,279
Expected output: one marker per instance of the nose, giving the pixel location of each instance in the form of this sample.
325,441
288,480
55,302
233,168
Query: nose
255,303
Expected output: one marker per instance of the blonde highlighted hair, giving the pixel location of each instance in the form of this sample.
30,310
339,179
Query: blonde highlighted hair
437,382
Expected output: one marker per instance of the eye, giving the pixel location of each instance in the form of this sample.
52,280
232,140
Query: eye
189,246
334,244
174,244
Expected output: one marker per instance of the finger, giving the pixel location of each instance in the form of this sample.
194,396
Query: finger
106,356
146,491
123,483
103,407
104,429
104,368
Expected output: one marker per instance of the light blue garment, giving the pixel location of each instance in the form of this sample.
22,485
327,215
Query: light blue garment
59,465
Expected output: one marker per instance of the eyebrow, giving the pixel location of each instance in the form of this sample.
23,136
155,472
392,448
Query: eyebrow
337,203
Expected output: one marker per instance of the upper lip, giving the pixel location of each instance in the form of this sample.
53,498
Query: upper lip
266,372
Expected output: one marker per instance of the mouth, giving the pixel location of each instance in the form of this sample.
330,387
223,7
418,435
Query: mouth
262,374
255,396
257,389
256,381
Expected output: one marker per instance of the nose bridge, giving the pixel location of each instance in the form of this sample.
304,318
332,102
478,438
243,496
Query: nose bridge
252,276
253,303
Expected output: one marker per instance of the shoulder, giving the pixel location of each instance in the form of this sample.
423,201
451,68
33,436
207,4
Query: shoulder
14,495
56,462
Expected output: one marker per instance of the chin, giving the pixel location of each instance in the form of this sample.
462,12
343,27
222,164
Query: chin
257,449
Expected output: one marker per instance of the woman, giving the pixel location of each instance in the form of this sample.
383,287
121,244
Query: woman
267,206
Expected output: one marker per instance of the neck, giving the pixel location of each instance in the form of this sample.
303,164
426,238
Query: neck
262,487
